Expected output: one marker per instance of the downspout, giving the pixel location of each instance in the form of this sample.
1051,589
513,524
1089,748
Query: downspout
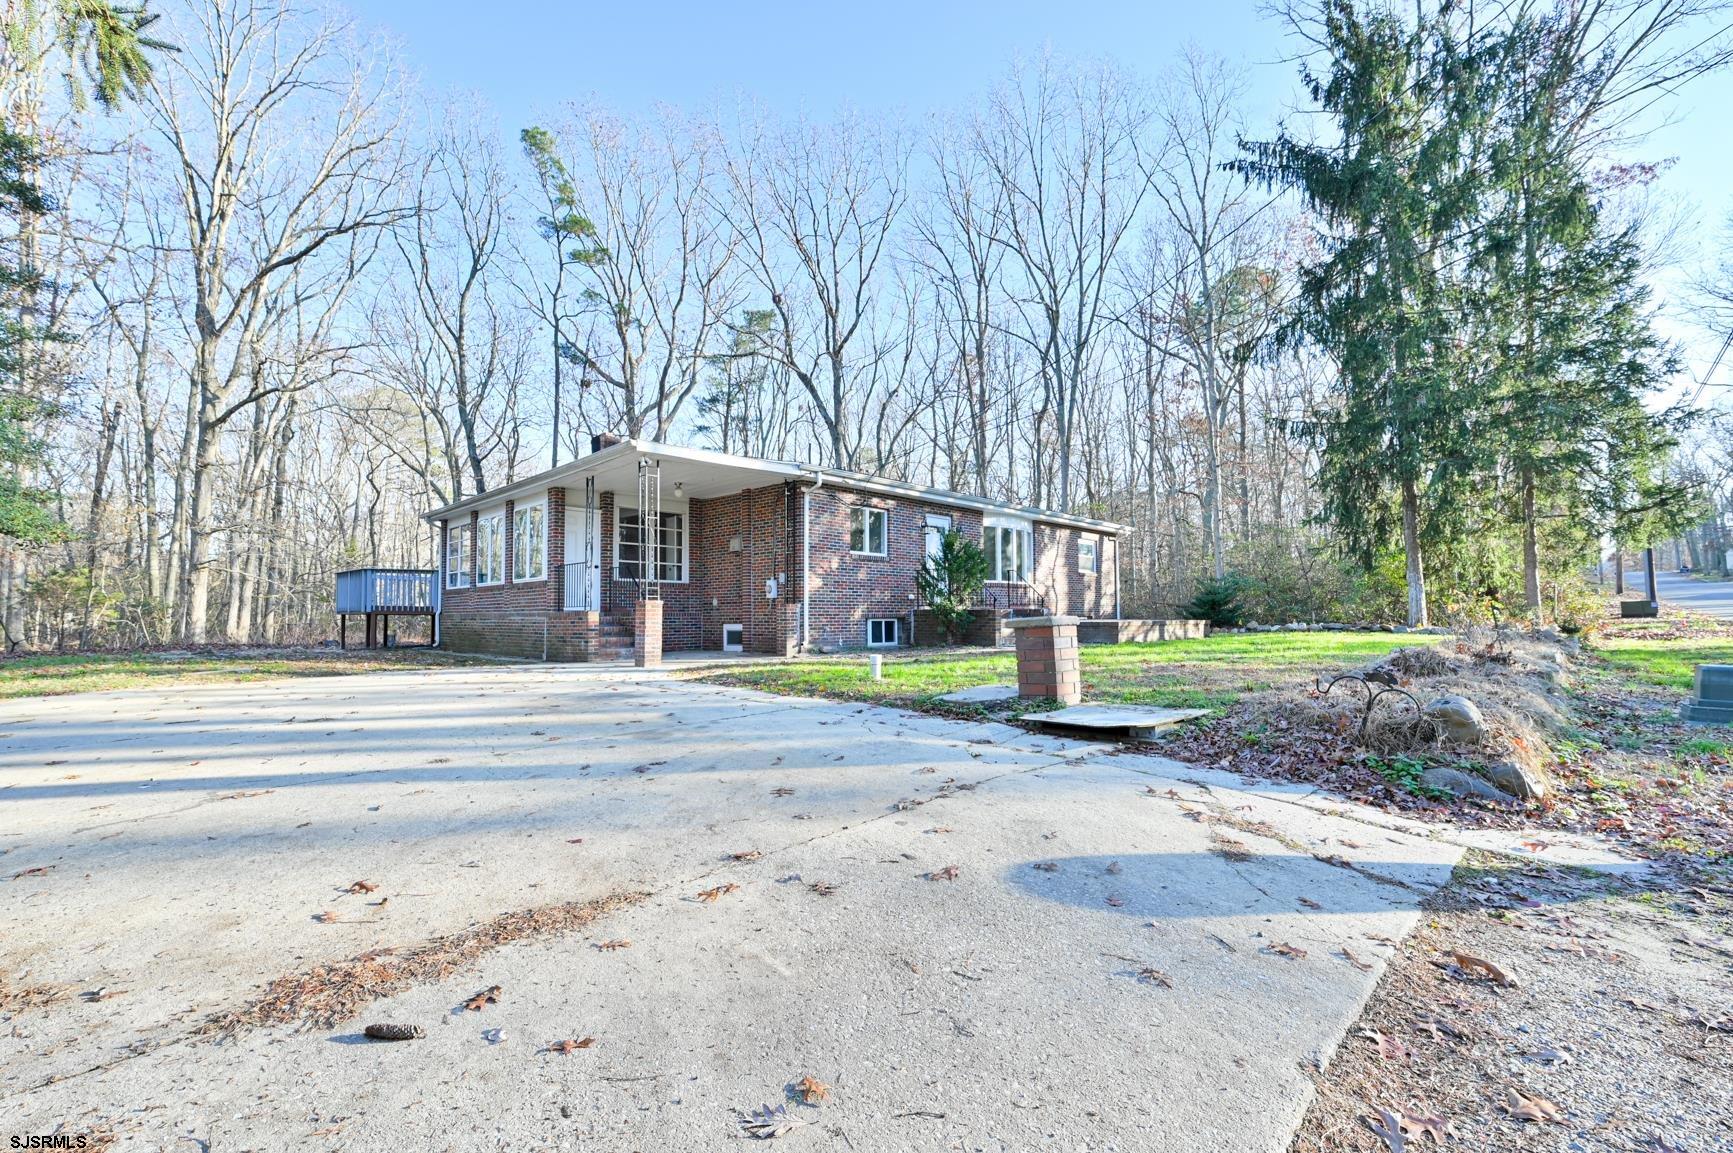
1116,615
806,560
439,554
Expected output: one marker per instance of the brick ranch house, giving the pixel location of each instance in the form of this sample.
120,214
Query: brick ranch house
742,554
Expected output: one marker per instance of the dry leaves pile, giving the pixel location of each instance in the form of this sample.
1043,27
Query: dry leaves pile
326,994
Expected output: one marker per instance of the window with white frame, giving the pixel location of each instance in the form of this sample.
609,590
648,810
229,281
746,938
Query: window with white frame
1009,550
883,632
490,549
529,542
668,545
866,531
1088,559
457,541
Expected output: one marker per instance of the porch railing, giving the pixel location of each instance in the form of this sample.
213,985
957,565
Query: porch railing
1012,597
575,592
373,590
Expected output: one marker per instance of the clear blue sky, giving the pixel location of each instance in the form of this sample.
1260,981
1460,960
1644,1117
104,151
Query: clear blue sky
526,57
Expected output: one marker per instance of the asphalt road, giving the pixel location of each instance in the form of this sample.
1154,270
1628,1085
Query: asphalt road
1712,597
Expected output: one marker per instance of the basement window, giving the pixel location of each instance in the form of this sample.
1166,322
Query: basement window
733,638
883,632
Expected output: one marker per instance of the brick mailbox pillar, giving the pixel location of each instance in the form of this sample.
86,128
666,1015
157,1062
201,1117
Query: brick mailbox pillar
647,634
1047,664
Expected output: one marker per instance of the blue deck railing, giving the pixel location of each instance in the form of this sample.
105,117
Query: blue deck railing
387,590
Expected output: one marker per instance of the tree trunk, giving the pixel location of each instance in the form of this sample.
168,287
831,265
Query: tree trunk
1417,617
1530,551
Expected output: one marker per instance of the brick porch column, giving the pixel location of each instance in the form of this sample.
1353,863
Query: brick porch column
647,633
1047,664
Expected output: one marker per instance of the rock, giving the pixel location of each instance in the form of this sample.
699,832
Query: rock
1458,719
1461,784
1517,780
1400,629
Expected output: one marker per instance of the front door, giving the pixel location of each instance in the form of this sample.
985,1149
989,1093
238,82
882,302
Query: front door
937,527
583,575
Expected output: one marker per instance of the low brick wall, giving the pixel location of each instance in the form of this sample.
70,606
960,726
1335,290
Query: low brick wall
1124,632
530,636
985,630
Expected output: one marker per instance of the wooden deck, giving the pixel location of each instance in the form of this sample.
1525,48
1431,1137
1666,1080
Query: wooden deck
378,594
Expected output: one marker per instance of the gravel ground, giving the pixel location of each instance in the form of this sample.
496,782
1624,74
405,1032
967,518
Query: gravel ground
1621,1016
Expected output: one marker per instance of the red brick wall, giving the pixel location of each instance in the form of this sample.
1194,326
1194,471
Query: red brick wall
727,585
1067,590
848,589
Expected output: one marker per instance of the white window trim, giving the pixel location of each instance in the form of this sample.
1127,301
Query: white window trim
896,631
685,514
735,648
505,558
527,507
866,534
1095,548
457,578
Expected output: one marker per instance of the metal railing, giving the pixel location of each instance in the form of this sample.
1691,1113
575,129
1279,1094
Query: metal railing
371,590
1010,597
575,587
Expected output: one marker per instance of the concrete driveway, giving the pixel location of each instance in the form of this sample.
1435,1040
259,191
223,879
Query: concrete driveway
1130,954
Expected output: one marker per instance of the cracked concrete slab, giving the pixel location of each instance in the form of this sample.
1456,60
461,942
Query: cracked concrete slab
1101,971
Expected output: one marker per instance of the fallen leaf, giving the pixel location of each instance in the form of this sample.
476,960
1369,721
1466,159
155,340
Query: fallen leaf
574,840
1388,1126
1472,965
1113,869
1046,866
1151,976
570,1045
1525,1108
37,871
719,890
766,1123
1391,1048
948,873
823,888
1309,903
782,791
745,855
942,829
811,1089
326,917
1431,1125
1283,949
615,944
1116,902
1348,956
487,996
361,887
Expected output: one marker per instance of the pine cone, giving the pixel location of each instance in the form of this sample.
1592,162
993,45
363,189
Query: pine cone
394,1032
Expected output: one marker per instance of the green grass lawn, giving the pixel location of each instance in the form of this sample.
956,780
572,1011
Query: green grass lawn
1671,663
1207,673
57,675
